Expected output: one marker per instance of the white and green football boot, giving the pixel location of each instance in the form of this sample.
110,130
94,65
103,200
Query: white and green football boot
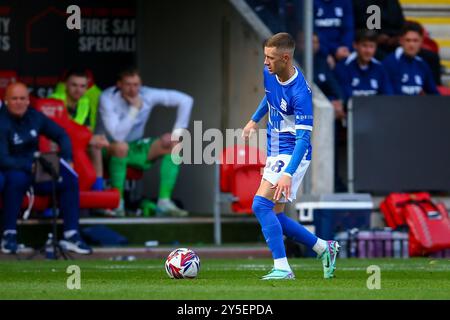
328,258
277,274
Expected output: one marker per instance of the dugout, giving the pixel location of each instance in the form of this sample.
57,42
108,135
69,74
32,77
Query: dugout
211,49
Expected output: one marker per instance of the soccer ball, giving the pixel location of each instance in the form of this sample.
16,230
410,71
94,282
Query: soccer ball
182,263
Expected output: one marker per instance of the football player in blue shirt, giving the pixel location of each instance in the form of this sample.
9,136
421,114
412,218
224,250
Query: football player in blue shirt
410,74
288,101
361,74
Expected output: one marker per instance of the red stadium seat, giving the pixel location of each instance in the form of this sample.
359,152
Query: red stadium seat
445,91
428,43
80,137
240,171
6,77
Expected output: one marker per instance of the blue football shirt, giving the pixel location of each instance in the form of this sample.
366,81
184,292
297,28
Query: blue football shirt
290,108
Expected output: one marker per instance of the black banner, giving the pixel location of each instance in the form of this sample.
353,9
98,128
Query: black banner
36,42
401,144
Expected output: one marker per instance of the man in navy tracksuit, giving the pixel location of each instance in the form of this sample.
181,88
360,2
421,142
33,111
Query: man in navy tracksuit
361,74
334,24
20,127
410,74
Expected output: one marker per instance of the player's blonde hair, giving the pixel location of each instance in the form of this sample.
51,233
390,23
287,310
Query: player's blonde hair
283,41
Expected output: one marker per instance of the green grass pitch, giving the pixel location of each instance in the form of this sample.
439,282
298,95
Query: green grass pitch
225,279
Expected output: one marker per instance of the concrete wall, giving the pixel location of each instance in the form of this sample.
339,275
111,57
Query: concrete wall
212,49
205,49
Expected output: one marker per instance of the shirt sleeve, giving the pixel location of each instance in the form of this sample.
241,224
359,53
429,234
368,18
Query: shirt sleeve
302,142
348,27
303,126
386,86
56,133
389,67
261,110
429,85
342,78
172,98
117,128
335,88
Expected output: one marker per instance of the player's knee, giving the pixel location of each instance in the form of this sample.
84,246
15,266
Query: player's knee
261,204
255,205
120,149
166,140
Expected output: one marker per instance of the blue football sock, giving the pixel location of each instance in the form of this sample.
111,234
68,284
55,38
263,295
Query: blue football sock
98,184
271,228
296,231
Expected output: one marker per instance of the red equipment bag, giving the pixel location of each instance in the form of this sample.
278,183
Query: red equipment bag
429,227
392,207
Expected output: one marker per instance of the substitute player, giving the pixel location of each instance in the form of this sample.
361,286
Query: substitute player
123,113
288,101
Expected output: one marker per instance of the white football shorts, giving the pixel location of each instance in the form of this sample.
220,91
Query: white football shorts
275,167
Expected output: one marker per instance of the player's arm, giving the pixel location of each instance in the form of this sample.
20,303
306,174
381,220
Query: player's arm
430,85
54,132
252,125
117,128
303,128
302,142
172,98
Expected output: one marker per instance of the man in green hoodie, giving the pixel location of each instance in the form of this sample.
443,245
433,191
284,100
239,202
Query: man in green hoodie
81,100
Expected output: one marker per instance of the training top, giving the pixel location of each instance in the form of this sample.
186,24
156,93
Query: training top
122,123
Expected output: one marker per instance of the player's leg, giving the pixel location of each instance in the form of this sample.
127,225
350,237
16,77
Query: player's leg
272,231
16,185
295,231
96,156
118,153
69,203
169,170
117,167
326,250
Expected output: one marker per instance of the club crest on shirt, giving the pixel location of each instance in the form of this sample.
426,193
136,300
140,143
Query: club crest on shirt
374,83
17,139
322,77
338,11
283,105
319,12
418,79
405,78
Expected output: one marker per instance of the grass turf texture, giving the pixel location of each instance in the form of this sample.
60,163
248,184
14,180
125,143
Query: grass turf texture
225,279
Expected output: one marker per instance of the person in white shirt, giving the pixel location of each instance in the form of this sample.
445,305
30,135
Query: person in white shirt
123,114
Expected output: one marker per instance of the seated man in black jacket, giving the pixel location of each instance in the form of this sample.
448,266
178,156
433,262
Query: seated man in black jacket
20,127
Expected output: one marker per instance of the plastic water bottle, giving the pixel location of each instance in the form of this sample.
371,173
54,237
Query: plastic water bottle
49,249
